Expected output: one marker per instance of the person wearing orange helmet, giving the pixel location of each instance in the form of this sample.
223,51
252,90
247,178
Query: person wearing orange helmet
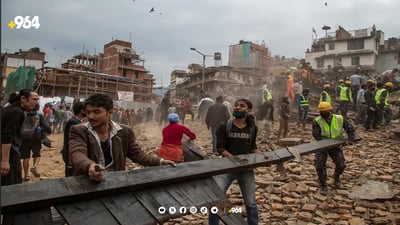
330,126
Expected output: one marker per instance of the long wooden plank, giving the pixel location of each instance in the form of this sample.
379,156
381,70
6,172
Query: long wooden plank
198,193
128,210
28,196
36,217
90,212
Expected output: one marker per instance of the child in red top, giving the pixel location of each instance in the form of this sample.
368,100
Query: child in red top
171,146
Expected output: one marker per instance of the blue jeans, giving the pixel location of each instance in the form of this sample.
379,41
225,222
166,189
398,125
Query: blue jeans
247,187
214,138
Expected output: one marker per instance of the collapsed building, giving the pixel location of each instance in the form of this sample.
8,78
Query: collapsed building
119,72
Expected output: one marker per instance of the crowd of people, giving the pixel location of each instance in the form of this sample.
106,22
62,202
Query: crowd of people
98,137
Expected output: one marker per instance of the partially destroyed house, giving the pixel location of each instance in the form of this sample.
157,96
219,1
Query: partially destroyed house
118,70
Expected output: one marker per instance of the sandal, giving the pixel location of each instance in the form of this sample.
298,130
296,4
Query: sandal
26,178
34,171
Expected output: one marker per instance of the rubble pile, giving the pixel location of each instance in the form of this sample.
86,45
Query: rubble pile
368,195
295,198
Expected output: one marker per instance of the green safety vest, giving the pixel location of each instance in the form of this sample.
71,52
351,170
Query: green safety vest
343,96
378,97
333,130
328,97
303,101
266,95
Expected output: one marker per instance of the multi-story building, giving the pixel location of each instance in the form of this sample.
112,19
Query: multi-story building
33,58
177,77
251,56
247,68
389,55
346,50
119,69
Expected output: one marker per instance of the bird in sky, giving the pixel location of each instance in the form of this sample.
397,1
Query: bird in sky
152,9
326,4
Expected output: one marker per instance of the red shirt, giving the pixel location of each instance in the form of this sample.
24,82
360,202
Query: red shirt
172,134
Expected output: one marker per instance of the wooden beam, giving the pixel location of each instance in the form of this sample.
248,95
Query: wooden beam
71,189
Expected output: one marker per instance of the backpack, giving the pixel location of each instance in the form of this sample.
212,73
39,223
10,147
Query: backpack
228,128
31,122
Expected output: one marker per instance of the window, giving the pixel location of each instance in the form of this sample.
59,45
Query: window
331,46
320,63
355,44
355,61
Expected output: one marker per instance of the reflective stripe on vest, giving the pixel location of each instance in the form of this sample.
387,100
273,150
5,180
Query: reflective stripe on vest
378,97
333,130
343,96
328,97
266,95
303,101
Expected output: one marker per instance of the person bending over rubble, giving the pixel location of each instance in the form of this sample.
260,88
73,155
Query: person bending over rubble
101,144
235,139
330,126
171,146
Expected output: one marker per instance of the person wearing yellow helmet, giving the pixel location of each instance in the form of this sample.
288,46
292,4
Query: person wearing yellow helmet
330,126
303,106
343,94
384,112
325,96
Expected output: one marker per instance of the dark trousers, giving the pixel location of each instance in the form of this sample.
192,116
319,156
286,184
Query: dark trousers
15,174
344,107
378,117
320,163
370,119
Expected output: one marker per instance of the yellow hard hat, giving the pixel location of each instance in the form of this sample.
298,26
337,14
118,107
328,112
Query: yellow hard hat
324,106
327,86
370,81
389,84
341,81
347,82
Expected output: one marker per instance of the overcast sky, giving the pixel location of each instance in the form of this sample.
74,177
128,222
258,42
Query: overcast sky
164,37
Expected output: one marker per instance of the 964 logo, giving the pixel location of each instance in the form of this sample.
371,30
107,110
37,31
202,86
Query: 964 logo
24,22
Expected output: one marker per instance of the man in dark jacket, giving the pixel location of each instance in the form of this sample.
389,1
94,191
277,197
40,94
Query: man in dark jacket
164,107
216,114
102,145
12,118
79,113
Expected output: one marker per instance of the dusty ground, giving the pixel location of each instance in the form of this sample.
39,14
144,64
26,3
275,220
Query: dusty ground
294,200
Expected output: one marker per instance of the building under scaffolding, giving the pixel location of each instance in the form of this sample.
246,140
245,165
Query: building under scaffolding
80,84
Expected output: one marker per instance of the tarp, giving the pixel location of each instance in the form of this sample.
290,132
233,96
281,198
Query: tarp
20,79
